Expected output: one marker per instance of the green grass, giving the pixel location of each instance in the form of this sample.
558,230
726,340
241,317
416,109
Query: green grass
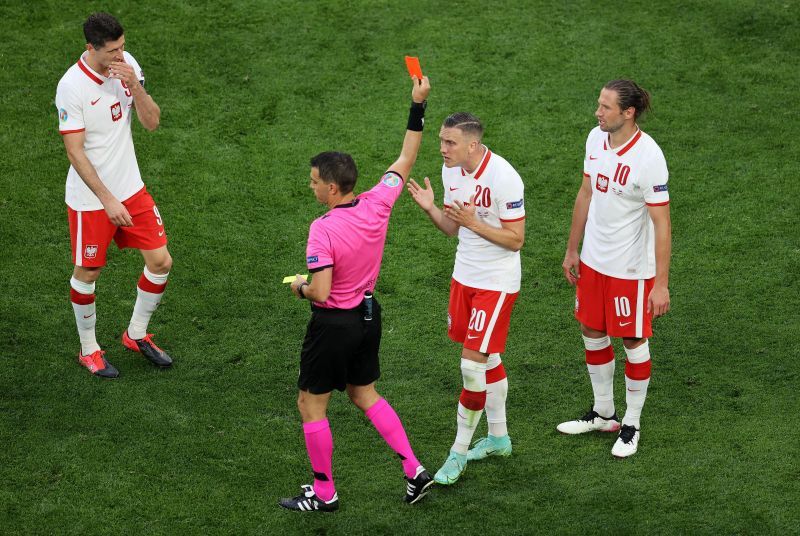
250,90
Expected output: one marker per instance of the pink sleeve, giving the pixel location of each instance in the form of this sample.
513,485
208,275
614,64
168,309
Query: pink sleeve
319,253
388,189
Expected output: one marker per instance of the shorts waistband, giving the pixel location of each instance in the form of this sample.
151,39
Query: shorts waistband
358,309
334,311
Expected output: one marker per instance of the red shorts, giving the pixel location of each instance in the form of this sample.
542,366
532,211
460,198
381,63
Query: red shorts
616,306
479,319
91,231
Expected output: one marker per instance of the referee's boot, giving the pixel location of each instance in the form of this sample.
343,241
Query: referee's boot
308,501
97,364
419,486
147,348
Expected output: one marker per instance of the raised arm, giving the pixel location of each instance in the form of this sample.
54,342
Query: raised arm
408,155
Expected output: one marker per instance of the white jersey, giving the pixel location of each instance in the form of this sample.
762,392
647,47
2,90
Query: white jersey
619,240
499,197
102,108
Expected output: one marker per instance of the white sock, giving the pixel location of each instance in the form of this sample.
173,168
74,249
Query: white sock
82,297
496,394
149,292
601,376
638,365
474,396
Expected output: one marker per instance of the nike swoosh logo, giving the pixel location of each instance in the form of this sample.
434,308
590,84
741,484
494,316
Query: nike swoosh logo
634,390
161,233
89,316
96,101
623,324
453,189
470,337
592,157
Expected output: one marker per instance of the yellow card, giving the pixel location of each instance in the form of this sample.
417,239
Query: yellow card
290,278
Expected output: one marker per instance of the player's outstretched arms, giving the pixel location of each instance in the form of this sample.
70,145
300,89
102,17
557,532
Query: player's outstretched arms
116,211
424,197
416,118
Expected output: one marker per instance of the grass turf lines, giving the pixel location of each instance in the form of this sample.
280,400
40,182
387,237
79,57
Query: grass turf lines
248,92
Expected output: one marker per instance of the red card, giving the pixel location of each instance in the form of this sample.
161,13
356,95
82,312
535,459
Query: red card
412,64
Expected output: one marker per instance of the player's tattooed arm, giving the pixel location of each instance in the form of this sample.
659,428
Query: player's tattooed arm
116,211
147,110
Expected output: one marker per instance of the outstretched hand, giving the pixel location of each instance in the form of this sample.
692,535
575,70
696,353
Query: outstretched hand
423,196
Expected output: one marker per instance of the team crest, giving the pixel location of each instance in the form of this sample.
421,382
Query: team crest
391,180
602,183
90,252
116,111
62,115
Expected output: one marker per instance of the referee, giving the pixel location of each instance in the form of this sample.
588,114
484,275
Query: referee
340,349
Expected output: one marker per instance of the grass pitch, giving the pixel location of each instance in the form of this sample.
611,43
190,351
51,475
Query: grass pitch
249,90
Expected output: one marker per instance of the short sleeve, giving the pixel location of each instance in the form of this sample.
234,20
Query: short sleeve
448,201
653,180
319,253
130,60
511,197
388,189
70,109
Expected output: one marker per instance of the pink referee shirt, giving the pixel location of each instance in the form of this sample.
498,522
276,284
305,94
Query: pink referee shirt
350,239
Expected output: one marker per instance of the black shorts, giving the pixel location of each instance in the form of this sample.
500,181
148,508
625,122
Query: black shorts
340,348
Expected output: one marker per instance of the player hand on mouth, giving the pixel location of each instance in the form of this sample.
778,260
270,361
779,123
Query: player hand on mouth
462,214
122,71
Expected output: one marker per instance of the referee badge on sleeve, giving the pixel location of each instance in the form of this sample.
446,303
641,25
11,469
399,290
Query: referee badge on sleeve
391,180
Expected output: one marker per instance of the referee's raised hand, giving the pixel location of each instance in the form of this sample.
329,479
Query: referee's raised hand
421,89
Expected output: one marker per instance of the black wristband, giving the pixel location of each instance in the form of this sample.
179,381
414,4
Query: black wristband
416,116
300,291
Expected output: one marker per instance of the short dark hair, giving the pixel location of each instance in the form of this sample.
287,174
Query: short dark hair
100,28
338,168
629,93
465,122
